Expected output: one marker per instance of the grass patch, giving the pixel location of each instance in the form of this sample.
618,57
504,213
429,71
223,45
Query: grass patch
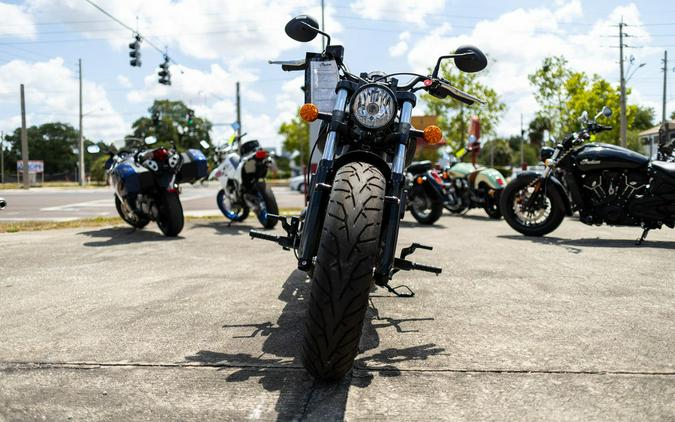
31,226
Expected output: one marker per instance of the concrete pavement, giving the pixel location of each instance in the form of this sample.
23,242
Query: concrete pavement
116,324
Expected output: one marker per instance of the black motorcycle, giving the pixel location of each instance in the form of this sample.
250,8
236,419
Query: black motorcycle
346,238
604,183
426,192
146,184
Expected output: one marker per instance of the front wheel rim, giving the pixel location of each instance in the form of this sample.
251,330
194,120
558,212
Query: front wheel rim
531,216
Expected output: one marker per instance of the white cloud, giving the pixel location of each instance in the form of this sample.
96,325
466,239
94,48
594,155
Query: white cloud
519,40
231,31
52,95
401,46
16,21
410,10
124,81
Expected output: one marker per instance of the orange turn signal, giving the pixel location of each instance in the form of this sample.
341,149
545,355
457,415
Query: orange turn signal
433,135
309,112
420,179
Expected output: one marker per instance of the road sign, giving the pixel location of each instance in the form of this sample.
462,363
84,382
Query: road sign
34,166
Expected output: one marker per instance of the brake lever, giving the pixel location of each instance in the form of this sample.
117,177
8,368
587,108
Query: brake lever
290,65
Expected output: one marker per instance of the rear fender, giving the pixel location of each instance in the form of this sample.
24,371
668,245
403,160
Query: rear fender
491,178
554,183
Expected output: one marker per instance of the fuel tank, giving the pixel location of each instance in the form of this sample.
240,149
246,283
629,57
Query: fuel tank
595,156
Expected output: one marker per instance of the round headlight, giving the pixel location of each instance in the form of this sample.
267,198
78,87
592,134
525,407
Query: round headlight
373,106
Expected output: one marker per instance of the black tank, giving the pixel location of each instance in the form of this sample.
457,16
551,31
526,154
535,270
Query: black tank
605,156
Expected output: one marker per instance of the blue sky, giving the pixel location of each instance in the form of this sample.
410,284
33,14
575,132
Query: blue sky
217,42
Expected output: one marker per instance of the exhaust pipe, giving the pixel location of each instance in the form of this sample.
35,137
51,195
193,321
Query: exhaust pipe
3,204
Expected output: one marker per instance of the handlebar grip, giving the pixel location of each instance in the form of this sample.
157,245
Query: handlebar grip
293,67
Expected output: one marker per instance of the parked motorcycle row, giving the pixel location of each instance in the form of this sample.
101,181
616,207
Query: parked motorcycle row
347,236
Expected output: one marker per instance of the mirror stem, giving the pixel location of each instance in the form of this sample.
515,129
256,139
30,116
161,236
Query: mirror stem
318,32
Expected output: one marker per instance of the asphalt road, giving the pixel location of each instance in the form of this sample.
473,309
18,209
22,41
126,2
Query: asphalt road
54,204
116,324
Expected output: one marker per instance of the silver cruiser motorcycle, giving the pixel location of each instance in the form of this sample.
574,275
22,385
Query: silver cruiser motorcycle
346,237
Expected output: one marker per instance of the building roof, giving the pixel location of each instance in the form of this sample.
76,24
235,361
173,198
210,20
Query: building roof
655,129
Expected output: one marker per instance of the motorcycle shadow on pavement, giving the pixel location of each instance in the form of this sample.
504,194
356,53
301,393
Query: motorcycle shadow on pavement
112,236
228,229
576,245
279,369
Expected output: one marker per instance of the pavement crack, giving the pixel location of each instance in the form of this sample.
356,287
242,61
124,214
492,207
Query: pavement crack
8,365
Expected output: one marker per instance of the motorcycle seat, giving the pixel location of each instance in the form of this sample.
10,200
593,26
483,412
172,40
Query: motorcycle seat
664,167
420,166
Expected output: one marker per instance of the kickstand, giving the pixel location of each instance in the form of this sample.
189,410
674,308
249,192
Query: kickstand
395,291
642,238
229,224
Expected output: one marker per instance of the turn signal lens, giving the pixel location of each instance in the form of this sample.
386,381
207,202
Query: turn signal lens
420,179
433,135
309,112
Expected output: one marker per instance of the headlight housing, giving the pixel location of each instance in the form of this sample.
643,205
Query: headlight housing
373,106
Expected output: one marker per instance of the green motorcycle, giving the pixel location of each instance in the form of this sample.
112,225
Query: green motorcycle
470,186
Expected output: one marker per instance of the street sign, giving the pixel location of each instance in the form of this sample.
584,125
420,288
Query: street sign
34,166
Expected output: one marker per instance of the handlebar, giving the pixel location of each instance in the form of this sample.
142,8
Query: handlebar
290,65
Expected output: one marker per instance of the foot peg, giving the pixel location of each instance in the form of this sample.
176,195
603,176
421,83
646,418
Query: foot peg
402,263
287,242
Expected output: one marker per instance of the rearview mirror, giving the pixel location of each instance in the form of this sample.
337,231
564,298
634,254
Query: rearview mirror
606,111
150,140
471,59
302,28
584,117
204,144
93,149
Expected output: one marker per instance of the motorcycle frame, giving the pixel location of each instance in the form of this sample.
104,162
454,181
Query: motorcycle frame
394,201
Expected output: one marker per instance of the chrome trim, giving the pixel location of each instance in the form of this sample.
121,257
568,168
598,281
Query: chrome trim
331,138
399,160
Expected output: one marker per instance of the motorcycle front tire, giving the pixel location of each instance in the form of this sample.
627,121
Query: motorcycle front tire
507,204
232,216
343,272
170,218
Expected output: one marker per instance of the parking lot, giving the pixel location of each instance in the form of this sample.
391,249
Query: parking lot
113,324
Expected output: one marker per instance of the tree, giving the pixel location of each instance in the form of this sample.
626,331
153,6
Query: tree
454,116
497,149
53,143
644,118
296,137
672,116
171,121
550,90
537,127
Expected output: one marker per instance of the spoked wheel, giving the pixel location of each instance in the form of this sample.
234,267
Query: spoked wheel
268,205
233,214
424,209
531,209
343,272
130,217
170,218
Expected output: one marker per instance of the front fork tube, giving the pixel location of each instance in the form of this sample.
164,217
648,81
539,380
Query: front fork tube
313,222
394,201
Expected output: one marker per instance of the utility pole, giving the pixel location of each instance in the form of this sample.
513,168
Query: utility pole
665,79
238,112
622,133
2,157
323,26
81,140
24,141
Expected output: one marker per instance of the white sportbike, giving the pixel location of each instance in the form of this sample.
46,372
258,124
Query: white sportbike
241,171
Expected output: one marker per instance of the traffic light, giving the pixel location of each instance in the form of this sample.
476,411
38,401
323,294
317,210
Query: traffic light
164,73
135,52
190,118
